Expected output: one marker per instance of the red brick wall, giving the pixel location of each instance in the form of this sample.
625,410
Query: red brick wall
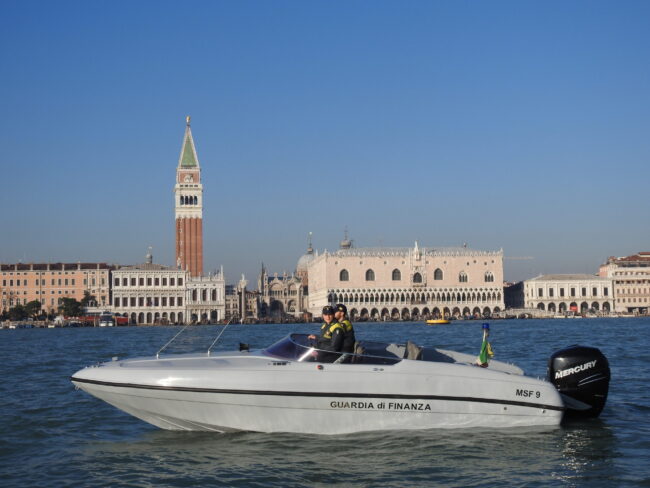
191,249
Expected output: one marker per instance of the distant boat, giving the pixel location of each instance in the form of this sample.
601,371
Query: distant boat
106,319
437,321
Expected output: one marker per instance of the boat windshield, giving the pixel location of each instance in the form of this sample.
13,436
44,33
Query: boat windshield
298,347
292,347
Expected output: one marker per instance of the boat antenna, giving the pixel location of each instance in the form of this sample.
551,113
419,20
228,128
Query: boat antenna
222,331
171,340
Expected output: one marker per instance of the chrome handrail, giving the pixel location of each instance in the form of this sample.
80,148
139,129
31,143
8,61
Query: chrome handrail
171,340
222,331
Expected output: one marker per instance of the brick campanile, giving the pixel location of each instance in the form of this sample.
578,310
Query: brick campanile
188,194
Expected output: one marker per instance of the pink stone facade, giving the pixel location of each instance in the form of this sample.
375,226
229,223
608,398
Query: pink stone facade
50,282
408,283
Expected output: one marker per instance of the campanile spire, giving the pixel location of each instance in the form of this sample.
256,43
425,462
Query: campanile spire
188,194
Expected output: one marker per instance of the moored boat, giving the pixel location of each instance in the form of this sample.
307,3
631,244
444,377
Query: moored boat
437,321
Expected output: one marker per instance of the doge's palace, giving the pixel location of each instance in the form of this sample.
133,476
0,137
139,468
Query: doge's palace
390,283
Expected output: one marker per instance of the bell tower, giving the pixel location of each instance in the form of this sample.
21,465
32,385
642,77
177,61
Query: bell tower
188,194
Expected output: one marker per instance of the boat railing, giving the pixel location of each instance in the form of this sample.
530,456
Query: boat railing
218,336
170,341
181,331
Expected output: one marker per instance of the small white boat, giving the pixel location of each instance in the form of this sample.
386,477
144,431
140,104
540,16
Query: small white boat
292,387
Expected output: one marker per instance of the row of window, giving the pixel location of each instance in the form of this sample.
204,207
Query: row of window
563,307
189,200
633,291
421,298
204,295
17,301
53,282
396,275
279,293
583,290
13,302
147,302
27,273
150,281
156,301
44,292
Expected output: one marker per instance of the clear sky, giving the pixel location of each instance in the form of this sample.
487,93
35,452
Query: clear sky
515,125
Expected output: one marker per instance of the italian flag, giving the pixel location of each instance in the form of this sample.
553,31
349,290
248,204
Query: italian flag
486,351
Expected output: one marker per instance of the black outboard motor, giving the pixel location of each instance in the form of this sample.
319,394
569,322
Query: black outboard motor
581,374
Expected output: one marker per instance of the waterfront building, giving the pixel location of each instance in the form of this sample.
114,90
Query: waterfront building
188,197
205,298
564,293
48,283
150,293
241,303
284,297
280,296
407,283
630,276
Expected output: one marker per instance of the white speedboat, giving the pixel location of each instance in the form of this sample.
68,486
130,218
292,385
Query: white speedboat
292,387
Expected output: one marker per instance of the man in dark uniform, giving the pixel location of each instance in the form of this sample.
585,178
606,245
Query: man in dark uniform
331,337
341,315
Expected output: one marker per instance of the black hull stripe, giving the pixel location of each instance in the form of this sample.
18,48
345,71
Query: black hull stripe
318,394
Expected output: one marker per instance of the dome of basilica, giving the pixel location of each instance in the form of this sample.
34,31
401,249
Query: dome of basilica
304,261
306,258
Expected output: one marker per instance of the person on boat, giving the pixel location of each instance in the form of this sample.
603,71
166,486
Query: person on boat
331,337
341,315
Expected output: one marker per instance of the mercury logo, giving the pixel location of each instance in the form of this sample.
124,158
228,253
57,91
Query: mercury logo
575,369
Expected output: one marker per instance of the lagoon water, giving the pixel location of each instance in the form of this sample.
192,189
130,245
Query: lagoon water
52,435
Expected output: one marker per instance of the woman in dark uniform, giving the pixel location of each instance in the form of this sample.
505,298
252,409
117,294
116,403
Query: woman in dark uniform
341,315
331,337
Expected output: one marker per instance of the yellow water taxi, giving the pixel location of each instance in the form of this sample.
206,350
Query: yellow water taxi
437,321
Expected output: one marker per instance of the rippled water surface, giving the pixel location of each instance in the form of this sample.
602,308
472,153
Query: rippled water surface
55,436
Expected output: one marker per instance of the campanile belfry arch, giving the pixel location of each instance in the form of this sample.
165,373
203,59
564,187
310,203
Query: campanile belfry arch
188,194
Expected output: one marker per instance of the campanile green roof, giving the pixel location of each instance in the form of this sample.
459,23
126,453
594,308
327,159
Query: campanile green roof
188,152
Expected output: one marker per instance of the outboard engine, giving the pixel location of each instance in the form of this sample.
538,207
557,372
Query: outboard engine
581,374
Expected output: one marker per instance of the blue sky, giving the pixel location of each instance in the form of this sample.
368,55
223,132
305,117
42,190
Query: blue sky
515,125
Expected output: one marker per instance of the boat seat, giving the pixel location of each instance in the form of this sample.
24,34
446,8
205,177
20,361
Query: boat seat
413,351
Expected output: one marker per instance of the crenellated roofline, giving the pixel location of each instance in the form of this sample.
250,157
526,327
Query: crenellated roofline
406,251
